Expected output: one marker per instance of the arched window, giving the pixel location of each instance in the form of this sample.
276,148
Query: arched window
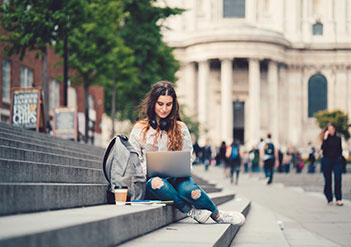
317,94
317,28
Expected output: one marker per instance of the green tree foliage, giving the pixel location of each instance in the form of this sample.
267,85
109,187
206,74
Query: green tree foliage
127,59
337,118
153,58
33,25
97,53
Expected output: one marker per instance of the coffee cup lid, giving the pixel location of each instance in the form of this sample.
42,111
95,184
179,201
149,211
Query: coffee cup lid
121,187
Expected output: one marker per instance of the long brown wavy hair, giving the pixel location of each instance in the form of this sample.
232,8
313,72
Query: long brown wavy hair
321,135
147,112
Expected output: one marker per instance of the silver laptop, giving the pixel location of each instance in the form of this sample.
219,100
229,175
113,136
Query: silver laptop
168,164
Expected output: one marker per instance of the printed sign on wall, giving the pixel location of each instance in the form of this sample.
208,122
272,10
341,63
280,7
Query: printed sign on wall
26,108
65,123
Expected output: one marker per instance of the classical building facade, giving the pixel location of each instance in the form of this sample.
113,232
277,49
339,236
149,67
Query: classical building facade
249,67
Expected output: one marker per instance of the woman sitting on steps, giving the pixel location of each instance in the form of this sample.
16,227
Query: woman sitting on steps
161,129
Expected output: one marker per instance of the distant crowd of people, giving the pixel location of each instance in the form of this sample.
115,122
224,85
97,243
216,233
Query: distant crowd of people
289,159
269,158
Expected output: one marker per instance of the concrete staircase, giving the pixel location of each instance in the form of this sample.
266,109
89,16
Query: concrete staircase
53,193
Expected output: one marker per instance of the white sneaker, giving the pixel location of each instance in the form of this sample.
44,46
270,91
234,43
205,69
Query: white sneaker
200,215
234,218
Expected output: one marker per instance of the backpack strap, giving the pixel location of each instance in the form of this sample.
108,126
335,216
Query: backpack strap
108,150
107,153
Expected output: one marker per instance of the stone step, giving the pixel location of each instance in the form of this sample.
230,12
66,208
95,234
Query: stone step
19,171
261,229
9,153
22,197
189,233
201,181
31,197
69,145
210,189
46,137
104,225
47,149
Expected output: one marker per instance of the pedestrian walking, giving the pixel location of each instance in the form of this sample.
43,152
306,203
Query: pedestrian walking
311,159
245,161
227,163
255,159
221,152
197,151
233,156
287,157
280,159
161,129
332,162
299,165
268,158
206,155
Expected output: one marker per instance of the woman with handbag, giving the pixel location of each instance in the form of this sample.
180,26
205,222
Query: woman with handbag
332,162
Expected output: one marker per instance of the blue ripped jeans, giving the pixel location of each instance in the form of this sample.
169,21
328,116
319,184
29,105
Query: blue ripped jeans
180,191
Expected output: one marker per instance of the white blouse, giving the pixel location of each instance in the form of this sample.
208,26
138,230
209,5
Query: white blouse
141,147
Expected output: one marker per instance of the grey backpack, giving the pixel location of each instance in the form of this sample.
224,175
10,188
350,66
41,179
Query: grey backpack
122,168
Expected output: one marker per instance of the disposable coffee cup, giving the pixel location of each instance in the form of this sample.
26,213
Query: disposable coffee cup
121,195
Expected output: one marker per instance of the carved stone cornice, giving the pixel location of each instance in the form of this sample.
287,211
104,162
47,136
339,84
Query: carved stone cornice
222,58
333,67
294,66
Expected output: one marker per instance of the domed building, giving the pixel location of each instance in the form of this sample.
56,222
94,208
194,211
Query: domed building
252,67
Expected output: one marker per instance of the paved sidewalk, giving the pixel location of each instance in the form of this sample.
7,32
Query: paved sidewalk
313,182
307,219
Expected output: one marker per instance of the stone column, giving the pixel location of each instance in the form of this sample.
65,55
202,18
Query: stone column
304,93
295,87
340,16
254,100
348,79
331,90
330,25
274,91
226,100
279,15
204,69
305,24
340,89
189,88
251,11
293,19
283,104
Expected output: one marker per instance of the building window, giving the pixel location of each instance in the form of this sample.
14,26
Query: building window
4,118
317,94
6,80
26,77
317,28
54,95
234,8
